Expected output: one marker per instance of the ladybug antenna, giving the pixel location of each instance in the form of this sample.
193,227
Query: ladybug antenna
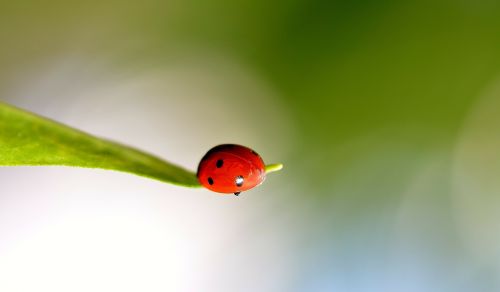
273,167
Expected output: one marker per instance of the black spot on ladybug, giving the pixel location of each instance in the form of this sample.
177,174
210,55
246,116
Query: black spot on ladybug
219,163
210,181
239,180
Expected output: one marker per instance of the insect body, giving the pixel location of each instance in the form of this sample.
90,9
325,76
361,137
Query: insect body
231,168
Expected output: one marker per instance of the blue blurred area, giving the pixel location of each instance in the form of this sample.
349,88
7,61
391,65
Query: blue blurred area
385,114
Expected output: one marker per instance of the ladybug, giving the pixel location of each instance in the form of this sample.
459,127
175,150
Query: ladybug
231,168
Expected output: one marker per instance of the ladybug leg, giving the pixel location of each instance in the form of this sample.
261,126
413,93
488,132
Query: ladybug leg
237,193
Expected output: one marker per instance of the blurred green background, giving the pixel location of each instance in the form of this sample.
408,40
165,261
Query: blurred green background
386,115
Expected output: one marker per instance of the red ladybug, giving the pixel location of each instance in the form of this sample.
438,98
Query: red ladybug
231,168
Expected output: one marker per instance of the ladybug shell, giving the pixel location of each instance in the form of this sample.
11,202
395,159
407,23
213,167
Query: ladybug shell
231,168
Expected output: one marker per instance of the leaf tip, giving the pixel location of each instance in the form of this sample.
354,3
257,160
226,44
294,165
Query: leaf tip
273,167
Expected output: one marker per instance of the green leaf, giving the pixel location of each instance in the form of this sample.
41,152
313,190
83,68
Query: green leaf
28,139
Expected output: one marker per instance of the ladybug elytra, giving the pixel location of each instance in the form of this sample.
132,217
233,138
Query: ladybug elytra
231,168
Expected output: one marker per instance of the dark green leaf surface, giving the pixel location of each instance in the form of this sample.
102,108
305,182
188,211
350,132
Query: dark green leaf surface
28,139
